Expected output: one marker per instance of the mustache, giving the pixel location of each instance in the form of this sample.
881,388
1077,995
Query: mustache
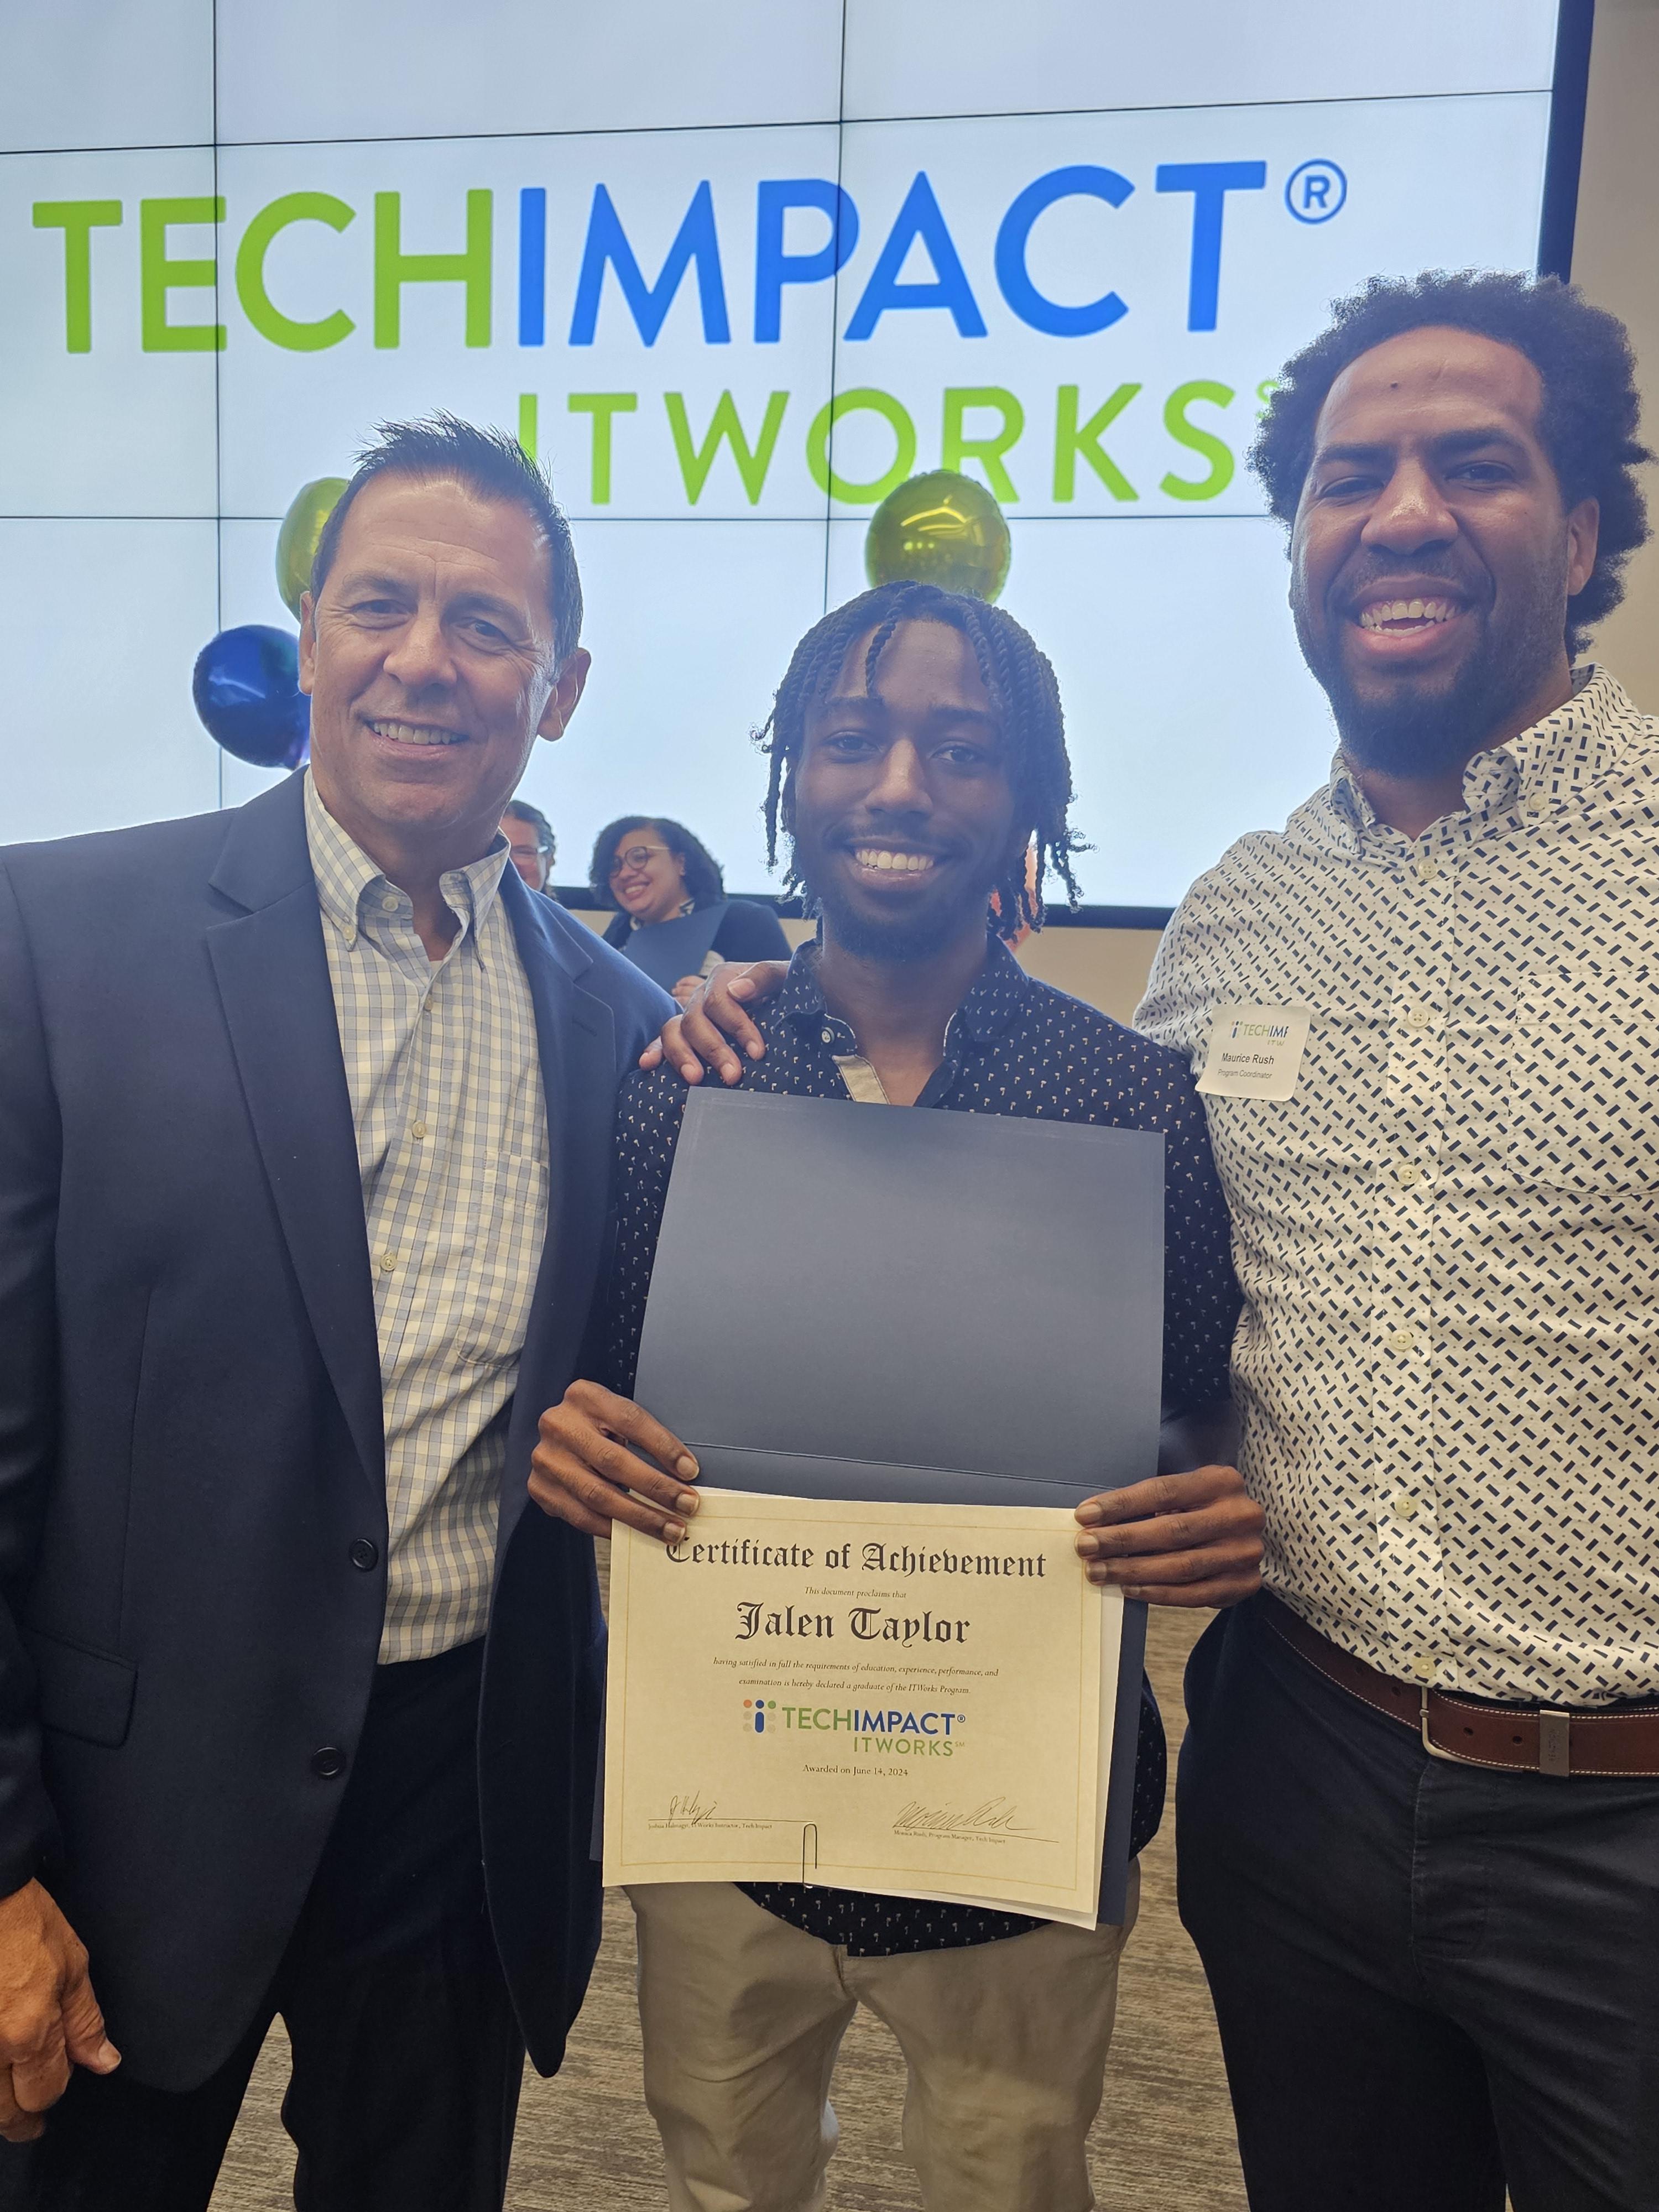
1367,571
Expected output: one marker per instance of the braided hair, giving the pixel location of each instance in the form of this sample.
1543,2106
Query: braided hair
1020,682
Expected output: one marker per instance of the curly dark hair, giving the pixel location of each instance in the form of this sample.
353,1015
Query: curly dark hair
1590,415
704,882
1020,683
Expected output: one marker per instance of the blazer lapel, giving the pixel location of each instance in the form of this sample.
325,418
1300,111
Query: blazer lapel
576,1035
272,974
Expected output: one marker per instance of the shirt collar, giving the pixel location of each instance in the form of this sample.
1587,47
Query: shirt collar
993,999
1575,749
345,876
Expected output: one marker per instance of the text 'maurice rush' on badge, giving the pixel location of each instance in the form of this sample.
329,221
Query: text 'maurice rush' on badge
1255,1052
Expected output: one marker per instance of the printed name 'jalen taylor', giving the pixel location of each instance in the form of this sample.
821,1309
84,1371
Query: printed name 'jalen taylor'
867,1624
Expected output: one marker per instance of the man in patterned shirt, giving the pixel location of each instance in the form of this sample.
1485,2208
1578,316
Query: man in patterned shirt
917,749
1419,1798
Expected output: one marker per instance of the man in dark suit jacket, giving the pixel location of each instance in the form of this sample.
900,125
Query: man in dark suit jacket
305,1126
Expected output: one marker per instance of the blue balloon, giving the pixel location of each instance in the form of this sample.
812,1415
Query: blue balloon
246,689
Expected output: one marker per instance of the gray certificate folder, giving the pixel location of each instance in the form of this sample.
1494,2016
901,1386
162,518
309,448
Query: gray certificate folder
965,1308
855,1302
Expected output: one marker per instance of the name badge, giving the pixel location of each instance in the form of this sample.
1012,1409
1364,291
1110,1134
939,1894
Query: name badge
1255,1052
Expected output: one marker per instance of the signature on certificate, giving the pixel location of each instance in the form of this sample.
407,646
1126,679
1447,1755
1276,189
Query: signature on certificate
993,1819
690,1812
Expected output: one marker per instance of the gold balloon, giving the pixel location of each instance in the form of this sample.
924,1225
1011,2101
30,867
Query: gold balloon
296,541
943,529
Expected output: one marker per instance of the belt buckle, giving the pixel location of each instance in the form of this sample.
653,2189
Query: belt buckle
1433,1749
1554,1741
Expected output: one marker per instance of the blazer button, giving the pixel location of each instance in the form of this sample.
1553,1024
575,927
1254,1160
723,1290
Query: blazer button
365,1554
328,1762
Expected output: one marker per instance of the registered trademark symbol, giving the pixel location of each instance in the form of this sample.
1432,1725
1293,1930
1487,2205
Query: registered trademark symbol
1316,191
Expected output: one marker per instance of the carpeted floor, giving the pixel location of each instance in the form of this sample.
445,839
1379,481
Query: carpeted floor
586,2143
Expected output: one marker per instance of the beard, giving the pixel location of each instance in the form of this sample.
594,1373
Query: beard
1415,725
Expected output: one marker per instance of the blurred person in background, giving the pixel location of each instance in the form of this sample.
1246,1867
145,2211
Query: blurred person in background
530,842
673,918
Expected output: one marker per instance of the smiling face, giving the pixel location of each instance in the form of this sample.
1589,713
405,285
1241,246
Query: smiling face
902,809
647,879
1432,555
428,658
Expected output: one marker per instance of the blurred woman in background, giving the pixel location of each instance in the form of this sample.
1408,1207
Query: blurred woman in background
673,918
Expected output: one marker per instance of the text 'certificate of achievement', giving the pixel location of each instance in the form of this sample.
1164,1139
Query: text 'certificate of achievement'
914,1700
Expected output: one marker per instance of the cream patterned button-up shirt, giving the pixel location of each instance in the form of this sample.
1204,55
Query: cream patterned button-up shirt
447,1101
1448,1236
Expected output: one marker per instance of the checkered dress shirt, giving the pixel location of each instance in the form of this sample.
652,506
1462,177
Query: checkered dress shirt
1449,1235
446,1101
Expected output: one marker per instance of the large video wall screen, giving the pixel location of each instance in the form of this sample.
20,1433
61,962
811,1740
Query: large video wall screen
735,271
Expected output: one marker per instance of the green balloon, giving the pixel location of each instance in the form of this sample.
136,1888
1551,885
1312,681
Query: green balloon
296,541
942,528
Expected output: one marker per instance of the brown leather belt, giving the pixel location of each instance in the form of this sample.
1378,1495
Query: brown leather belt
1621,1739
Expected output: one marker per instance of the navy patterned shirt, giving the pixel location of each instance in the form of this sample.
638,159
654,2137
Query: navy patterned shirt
1014,1046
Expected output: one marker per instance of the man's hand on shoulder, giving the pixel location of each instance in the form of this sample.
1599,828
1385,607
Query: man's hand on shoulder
715,1021
49,2017
1189,1539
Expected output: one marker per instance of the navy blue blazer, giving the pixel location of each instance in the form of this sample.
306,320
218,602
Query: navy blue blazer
190,1429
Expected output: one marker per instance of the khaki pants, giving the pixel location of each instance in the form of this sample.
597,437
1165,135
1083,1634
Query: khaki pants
1005,2045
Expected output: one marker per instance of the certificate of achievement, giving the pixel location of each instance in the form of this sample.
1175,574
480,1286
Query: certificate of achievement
916,1700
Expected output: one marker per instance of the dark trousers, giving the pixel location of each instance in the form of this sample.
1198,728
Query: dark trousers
1432,1980
407,2057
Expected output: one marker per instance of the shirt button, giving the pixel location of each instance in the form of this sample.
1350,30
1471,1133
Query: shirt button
364,1554
389,904
1535,807
1427,870
388,1261
1408,1173
328,1762
1404,1507
1423,1667
829,1037
1418,1019
1402,1340
418,1128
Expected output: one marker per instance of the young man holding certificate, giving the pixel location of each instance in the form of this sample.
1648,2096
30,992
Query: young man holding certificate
917,751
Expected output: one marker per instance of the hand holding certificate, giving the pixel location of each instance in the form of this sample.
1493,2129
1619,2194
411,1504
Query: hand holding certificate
913,1699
